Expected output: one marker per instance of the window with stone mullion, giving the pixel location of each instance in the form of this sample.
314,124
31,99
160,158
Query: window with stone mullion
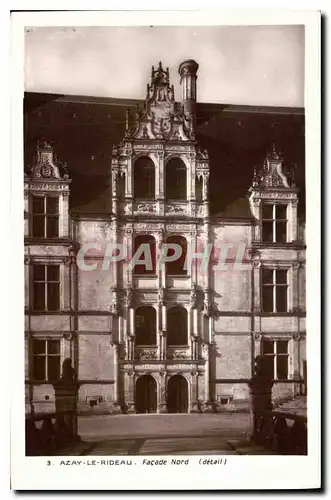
274,290
45,216
274,223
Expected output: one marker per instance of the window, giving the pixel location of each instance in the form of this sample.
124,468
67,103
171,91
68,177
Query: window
145,326
144,178
198,188
120,186
45,217
46,364
176,267
274,290
276,358
274,223
146,254
46,288
177,326
175,180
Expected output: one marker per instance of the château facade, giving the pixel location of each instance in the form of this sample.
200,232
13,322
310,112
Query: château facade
176,334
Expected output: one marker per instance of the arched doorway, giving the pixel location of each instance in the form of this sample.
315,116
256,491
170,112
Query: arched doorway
146,397
177,395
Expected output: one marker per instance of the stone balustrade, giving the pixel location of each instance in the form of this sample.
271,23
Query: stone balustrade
45,433
282,433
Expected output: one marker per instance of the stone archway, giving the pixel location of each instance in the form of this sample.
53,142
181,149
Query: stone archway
146,394
177,394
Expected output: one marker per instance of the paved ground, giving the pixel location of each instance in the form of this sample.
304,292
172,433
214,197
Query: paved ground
206,434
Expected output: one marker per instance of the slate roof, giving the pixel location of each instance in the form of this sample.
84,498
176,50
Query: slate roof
83,130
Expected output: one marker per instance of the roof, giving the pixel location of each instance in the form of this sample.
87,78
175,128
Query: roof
83,130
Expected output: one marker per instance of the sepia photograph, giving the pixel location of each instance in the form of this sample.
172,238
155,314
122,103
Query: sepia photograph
165,243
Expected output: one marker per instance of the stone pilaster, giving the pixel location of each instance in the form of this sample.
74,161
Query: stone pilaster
129,392
162,403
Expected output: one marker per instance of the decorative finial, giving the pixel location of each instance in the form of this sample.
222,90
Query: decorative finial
274,155
160,65
255,177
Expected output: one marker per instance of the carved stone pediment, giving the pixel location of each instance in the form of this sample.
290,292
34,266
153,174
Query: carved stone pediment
160,118
273,173
46,166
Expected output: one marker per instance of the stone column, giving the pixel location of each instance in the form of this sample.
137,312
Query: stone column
127,272
160,187
205,194
27,298
129,392
116,348
162,403
257,344
194,346
64,215
131,321
189,325
114,191
128,179
200,380
195,321
207,396
159,266
292,215
116,402
194,392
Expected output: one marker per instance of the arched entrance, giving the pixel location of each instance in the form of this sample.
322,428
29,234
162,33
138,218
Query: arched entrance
177,395
146,398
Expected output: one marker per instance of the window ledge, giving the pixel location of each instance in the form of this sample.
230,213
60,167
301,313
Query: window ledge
271,244
146,346
178,276
151,276
61,240
281,314
178,346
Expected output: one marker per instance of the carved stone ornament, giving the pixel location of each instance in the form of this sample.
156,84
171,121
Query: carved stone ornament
175,209
273,174
177,354
210,310
161,296
297,336
256,264
147,354
257,336
146,207
160,118
194,296
48,187
46,166
68,336
115,308
129,297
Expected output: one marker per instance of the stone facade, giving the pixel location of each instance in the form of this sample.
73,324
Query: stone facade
98,310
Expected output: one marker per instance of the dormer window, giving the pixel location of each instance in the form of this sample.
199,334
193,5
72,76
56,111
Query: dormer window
274,223
45,216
